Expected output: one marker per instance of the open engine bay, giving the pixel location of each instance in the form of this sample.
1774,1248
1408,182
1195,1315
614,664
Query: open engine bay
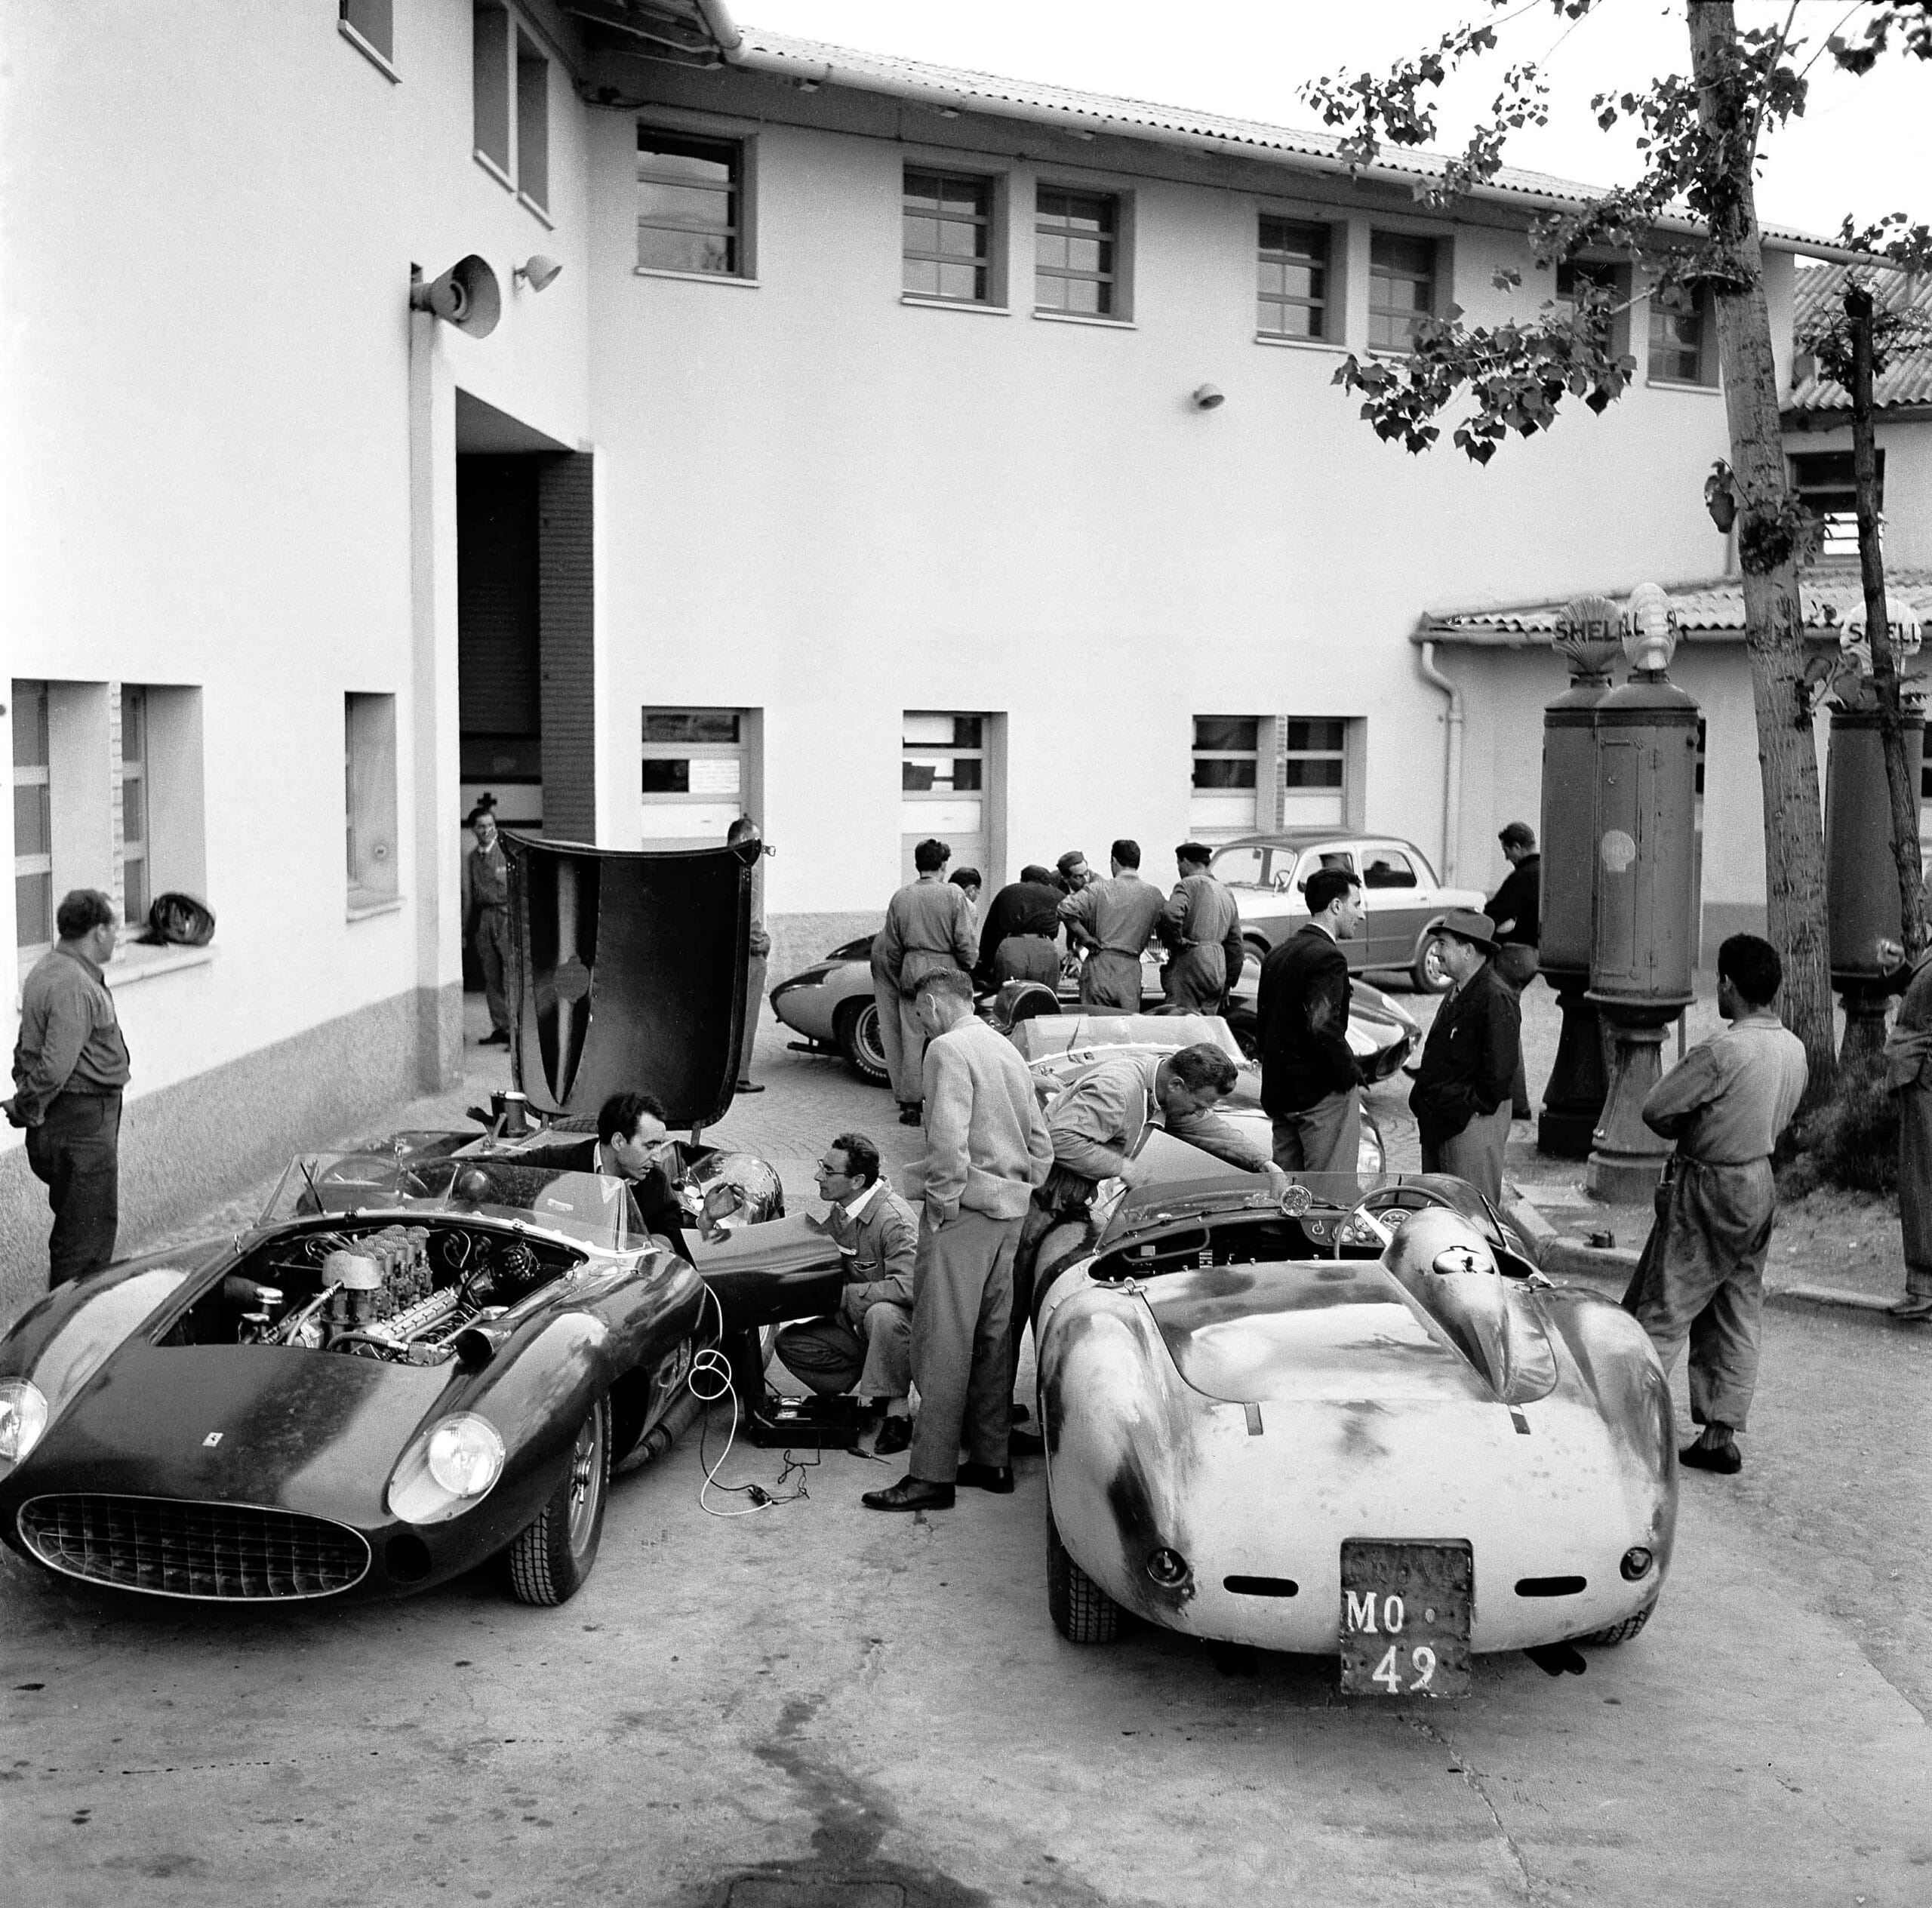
396,1292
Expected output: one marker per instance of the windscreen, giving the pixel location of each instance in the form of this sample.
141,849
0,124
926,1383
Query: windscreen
590,1207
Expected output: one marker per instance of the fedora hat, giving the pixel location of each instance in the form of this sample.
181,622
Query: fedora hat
1477,929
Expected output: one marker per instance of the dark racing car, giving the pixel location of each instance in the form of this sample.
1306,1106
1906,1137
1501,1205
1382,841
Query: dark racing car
433,1352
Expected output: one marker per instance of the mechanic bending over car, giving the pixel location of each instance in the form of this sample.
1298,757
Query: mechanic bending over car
631,1143
1202,927
1018,941
866,1346
1097,1124
1114,921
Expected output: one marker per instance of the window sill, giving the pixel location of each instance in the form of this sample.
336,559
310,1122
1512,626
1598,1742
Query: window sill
1083,318
137,961
1324,345
536,212
376,59
1682,384
495,171
693,278
985,309
364,910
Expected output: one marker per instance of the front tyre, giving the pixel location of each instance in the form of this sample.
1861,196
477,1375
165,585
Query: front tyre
1082,1612
550,1558
859,1040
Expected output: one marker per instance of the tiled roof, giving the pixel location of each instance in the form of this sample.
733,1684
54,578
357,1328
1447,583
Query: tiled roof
1712,611
1100,113
1819,297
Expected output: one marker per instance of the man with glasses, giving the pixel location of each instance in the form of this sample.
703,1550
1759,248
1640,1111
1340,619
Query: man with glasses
865,1347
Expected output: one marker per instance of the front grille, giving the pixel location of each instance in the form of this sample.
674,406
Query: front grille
238,1552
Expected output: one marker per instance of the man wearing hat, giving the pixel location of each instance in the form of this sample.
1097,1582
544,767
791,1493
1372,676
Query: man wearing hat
1461,1100
1516,908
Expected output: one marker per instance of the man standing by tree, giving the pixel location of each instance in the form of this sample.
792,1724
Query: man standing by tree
1703,1268
1909,1074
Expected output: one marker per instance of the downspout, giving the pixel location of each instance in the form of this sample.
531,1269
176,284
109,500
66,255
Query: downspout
1452,770
723,29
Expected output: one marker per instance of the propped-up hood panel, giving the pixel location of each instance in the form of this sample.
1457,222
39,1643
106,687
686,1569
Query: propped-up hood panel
627,973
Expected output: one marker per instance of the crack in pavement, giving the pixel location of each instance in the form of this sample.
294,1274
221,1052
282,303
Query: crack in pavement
1473,1780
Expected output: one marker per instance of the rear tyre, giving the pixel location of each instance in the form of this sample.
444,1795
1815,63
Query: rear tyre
857,1030
1618,1632
1082,1612
1426,970
550,1559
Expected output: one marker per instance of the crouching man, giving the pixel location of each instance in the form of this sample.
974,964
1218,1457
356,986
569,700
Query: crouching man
866,1346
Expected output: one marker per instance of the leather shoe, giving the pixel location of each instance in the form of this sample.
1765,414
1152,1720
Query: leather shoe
1025,1444
1916,1311
996,1478
910,1493
748,1086
1723,1459
912,1115
895,1435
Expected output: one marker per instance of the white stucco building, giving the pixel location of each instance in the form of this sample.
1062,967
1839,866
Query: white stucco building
855,469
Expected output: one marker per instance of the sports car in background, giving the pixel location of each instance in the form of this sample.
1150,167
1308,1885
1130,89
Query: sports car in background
1359,1423
831,1004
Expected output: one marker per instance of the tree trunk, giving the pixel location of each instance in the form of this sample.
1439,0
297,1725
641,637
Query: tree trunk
1884,662
1768,529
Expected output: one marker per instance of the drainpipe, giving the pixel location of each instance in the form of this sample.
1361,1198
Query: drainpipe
717,17
1452,772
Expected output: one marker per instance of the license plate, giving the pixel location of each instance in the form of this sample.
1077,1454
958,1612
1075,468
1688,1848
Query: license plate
1406,1610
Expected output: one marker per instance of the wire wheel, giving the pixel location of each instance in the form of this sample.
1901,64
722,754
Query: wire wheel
859,1040
551,1557
1427,971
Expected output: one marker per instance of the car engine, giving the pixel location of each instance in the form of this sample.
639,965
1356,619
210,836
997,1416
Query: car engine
402,1293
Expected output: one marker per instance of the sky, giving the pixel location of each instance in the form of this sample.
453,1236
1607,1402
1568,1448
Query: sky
1860,148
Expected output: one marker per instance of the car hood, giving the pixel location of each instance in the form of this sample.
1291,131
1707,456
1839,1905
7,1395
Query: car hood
626,971
256,1424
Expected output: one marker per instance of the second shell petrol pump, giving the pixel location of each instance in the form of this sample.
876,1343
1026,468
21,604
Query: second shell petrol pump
1644,941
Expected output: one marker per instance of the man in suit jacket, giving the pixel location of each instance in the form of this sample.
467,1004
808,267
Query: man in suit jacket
1461,1100
987,1149
866,1346
1310,1084
631,1143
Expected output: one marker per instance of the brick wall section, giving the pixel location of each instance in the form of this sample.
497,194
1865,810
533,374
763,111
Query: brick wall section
566,596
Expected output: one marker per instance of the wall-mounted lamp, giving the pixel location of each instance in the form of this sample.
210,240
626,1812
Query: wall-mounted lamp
537,271
1208,397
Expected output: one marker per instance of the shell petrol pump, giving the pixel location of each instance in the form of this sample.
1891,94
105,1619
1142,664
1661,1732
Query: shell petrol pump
1589,637
1861,879
1643,943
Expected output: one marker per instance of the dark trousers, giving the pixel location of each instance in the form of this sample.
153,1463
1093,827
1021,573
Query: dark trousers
1055,1228
1516,967
75,1152
493,954
962,1296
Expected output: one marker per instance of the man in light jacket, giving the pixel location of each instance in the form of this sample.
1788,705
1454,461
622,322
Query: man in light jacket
987,1148
928,929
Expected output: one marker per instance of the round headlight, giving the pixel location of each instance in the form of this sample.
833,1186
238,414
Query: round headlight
1636,1563
22,1418
466,1454
1167,1568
